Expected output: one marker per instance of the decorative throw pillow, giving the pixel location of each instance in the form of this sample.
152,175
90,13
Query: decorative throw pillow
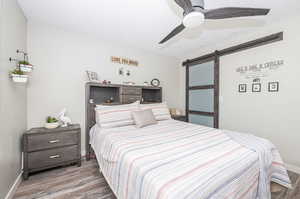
143,118
160,110
116,115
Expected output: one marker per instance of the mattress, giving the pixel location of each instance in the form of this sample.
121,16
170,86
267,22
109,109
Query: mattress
178,160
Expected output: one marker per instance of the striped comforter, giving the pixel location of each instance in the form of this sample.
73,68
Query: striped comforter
178,160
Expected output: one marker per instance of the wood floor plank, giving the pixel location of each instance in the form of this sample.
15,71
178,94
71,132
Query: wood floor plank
86,182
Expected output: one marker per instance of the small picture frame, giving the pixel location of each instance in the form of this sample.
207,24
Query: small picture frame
256,87
273,86
242,88
92,76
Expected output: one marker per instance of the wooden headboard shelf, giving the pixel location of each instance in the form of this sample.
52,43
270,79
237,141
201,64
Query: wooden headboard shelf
96,93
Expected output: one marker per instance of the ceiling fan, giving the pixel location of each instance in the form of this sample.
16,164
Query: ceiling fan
195,14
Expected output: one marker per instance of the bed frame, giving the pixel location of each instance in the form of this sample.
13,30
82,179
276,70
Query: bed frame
96,93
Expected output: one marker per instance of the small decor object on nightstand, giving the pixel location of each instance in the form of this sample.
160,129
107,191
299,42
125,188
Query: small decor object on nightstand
256,87
243,88
273,86
155,82
63,118
51,123
50,148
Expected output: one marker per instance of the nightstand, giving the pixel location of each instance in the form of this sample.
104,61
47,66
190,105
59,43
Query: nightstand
179,117
48,148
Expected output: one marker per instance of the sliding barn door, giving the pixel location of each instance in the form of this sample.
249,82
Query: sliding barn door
202,92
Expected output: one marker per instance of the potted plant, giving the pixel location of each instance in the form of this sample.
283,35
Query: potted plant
25,66
18,76
51,123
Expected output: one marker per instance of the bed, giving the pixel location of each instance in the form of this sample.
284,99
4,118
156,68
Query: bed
179,160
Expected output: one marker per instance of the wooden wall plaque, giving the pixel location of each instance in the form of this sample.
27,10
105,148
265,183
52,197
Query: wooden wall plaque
124,61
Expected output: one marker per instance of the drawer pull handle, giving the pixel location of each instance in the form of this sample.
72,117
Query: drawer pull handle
54,141
54,156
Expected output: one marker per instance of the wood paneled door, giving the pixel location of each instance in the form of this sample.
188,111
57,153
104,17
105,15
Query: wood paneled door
202,92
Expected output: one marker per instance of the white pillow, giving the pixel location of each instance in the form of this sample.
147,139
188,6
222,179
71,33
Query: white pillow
116,115
160,110
143,118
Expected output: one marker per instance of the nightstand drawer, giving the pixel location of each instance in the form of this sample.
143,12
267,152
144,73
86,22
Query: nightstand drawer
50,157
51,140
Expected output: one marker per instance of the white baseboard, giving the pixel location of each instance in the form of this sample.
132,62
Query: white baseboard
14,187
293,168
83,153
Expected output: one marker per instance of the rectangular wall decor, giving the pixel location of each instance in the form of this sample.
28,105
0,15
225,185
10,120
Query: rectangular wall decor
124,61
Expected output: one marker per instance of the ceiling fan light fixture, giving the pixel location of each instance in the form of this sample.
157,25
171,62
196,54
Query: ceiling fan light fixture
193,19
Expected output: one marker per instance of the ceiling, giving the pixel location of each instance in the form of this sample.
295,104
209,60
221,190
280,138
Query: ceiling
143,23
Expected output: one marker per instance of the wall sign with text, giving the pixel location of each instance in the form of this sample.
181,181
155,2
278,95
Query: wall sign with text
259,70
124,61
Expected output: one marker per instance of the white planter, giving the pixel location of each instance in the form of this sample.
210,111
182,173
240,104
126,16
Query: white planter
26,68
19,78
51,125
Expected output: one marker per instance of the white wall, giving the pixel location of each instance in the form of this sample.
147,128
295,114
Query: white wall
270,115
61,58
12,96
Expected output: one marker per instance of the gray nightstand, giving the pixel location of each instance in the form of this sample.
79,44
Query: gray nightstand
47,148
179,117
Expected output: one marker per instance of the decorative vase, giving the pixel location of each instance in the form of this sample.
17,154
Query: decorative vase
51,125
19,78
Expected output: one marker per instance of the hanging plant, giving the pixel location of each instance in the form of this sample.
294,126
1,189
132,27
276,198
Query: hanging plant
18,76
25,66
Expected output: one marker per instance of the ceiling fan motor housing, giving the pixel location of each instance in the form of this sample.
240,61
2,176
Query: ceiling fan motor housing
195,17
198,6
198,3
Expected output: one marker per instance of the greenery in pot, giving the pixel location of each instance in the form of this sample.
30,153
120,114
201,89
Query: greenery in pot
24,62
18,76
51,119
51,123
17,72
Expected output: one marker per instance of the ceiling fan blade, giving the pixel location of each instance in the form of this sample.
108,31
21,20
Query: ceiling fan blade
186,5
231,12
177,30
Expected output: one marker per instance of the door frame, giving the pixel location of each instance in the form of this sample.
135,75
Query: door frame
216,56
215,86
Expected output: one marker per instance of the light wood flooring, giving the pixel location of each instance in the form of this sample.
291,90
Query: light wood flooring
86,182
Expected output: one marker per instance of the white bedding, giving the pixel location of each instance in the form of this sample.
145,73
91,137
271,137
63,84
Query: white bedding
178,160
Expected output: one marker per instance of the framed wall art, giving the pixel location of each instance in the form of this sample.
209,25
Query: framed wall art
273,86
256,87
242,88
